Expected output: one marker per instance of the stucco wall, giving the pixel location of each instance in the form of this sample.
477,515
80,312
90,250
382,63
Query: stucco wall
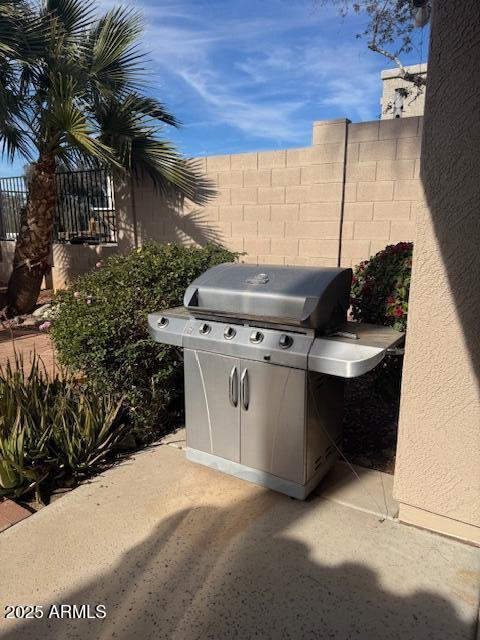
438,463
68,261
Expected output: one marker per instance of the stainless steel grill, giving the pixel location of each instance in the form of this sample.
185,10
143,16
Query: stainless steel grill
266,353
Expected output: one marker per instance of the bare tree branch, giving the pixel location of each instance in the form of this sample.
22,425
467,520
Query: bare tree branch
418,79
389,29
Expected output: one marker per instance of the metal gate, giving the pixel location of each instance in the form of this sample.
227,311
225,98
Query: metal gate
85,211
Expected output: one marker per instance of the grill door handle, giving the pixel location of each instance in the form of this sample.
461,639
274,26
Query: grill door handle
233,387
244,389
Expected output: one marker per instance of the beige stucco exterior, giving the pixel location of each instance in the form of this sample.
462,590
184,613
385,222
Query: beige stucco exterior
437,478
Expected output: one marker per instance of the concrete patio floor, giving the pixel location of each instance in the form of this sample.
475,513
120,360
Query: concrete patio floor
178,551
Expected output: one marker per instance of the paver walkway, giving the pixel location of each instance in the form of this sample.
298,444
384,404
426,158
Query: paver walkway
180,552
11,514
26,342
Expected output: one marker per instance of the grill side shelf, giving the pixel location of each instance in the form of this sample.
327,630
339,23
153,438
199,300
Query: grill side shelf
349,358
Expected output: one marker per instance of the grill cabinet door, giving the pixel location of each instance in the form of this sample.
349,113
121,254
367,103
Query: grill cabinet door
273,424
212,403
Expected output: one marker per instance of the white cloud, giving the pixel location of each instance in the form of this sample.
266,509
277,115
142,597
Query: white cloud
247,77
270,121
339,78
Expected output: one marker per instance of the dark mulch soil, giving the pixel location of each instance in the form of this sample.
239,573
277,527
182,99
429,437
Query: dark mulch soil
372,404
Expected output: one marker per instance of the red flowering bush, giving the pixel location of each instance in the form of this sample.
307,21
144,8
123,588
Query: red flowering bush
381,285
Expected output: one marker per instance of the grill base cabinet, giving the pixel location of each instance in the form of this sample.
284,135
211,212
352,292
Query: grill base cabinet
276,426
266,355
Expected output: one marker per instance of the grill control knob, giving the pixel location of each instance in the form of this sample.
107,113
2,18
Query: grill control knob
204,329
162,322
229,333
256,337
285,341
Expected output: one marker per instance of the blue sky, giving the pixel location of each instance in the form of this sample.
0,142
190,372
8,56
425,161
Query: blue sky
253,74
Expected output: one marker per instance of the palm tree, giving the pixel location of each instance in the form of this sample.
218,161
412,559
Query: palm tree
71,93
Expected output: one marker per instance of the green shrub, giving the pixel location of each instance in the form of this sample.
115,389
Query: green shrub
100,326
381,285
51,427
380,289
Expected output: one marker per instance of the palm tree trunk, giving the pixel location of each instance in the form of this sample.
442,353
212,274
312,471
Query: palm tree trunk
34,241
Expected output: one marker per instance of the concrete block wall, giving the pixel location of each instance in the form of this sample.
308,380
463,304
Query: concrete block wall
382,186
338,201
345,197
280,207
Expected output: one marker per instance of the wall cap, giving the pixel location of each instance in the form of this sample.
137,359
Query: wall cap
318,123
386,74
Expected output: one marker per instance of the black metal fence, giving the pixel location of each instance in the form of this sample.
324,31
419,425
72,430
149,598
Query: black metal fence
13,196
85,211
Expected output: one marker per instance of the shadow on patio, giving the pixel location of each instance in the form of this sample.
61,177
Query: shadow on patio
246,571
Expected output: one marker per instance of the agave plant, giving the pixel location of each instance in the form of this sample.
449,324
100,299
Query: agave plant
87,428
21,469
51,426
25,402
12,460
70,94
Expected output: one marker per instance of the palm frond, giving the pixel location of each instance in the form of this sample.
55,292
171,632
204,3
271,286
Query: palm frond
125,126
13,141
70,86
76,131
11,13
13,138
151,108
75,16
172,174
23,31
115,60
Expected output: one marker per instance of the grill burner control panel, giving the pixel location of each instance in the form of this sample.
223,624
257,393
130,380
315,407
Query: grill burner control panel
244,341
334,355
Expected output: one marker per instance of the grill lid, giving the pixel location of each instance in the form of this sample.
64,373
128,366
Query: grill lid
316,298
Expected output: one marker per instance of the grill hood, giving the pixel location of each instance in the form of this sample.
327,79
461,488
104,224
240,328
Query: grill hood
316,298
